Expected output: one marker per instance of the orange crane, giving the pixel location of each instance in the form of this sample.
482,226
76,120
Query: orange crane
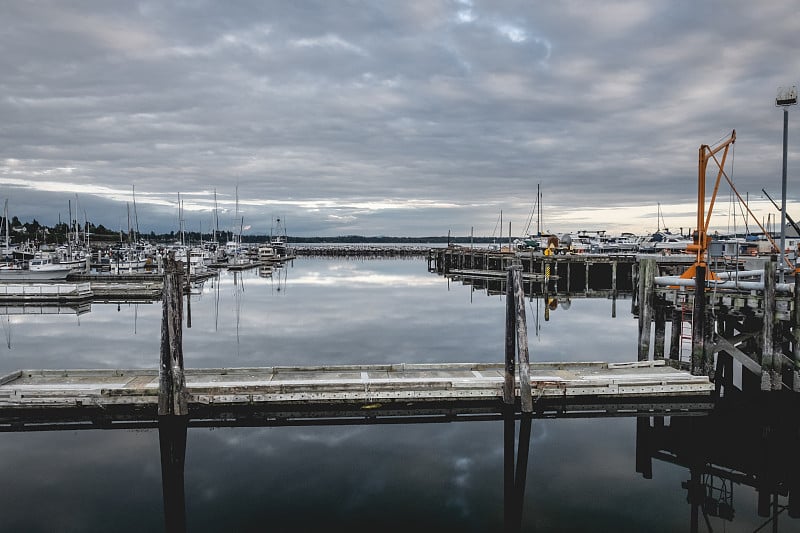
701,239
700,244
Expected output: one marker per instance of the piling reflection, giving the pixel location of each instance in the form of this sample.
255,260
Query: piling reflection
515,470
753,444
551,296
172,442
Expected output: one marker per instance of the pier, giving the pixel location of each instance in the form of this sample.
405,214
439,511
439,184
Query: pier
747,319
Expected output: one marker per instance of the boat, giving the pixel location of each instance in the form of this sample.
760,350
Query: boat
266,253
277,239
17,272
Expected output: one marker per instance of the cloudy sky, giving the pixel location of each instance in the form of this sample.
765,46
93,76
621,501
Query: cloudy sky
392,118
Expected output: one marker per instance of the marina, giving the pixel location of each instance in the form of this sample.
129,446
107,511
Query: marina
334,393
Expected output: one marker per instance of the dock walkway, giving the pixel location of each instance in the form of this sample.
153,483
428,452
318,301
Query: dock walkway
325,385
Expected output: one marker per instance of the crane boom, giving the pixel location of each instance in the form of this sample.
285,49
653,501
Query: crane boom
705,154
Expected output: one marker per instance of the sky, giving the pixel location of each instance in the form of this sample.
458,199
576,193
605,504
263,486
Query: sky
400,118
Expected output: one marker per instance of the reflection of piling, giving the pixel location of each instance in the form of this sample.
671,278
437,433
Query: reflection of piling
515,471
172,398
172,441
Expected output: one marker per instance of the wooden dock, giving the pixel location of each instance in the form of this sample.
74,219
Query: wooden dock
368,386
31,397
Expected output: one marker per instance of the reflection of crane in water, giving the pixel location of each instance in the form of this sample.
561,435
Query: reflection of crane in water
7,330
279,272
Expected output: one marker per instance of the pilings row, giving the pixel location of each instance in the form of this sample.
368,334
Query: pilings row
768,347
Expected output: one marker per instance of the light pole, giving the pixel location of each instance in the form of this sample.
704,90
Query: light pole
787,96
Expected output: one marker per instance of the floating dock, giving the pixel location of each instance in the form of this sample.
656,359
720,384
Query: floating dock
332,389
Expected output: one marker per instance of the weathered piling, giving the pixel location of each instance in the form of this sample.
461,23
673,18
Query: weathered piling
796,334
172,397
699,322
647,275
770,359
516,341
526,399
511,340
675,334
660,332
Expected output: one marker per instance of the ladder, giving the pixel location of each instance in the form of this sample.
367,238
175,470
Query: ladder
685,352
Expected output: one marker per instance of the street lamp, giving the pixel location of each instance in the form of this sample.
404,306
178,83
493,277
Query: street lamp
787,96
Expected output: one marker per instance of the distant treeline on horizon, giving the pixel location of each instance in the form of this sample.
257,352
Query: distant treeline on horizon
21,231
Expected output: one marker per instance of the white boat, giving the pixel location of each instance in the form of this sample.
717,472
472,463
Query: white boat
266,253
10,273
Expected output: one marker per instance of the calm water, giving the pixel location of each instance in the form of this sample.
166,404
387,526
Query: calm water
448,477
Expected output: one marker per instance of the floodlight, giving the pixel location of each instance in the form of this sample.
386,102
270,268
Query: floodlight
786,96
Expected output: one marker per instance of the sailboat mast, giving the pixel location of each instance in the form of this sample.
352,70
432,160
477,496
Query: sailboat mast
128,206
216,217
76,219
5,221
135,214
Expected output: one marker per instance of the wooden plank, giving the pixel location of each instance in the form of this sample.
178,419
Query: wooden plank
723,344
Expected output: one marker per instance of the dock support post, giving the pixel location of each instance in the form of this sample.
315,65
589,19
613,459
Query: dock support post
770,371
634,284
511,341
586,263
172,397
517,341
526,399
647,275
796,334
675,334
699,322
660,331
613,289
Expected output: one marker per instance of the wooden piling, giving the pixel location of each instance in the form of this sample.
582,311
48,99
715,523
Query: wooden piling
511,342
188,294
770,359
796,334
647,276
660,331
675,334
526,399
172,397
634,284
699,321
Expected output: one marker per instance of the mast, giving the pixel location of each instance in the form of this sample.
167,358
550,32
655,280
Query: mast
216,217
538,210
135,215
5,221
128,206
76,219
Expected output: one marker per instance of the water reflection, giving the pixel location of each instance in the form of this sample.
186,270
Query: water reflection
172,443
750,443
722,454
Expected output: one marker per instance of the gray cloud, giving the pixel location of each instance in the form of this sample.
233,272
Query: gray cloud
400,118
